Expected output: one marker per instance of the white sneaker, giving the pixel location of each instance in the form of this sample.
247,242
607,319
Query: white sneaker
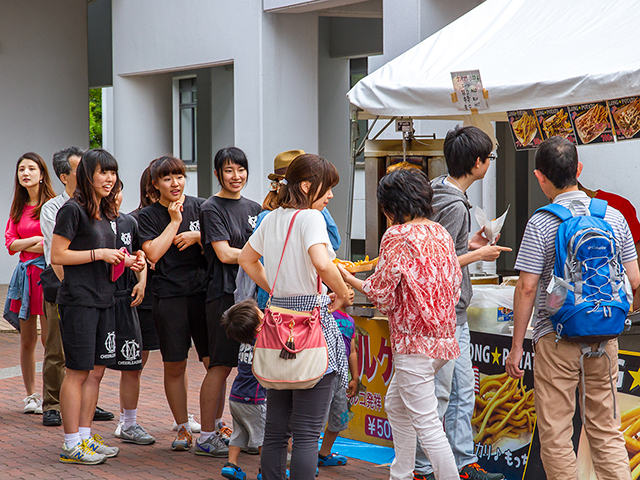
33,404
119,429
81,454
195,426
96,444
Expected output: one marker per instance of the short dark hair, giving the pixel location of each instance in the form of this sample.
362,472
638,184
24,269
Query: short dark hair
463,146
229,155
405,193
61,160
320,173
557,159
241,321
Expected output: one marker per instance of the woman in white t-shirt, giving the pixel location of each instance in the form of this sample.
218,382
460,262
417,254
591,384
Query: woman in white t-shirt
307,187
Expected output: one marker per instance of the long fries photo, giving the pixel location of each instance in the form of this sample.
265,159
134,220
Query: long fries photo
503,408
630,428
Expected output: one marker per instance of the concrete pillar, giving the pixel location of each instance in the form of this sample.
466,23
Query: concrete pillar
289,84
143,130
222,116
333,123
204,133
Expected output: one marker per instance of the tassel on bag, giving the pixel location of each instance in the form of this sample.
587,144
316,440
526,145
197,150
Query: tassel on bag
284,353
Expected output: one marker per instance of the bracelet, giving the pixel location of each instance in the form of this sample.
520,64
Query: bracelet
93,255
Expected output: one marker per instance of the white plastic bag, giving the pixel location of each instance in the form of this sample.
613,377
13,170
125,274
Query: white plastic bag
492,296
491,308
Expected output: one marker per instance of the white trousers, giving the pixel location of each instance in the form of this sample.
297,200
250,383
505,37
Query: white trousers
412,408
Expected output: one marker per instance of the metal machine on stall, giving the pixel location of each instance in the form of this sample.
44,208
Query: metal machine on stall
423,154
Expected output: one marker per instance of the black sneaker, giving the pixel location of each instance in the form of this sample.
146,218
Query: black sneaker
102,415
474,471
51,418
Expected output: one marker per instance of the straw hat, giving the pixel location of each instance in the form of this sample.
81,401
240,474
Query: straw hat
281,163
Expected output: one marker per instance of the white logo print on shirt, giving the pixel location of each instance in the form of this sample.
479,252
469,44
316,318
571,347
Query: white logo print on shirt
126,238
252,219
194,226
114,227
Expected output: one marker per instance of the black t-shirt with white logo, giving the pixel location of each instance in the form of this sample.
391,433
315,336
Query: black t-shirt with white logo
89,284
129,238
227,219
178,274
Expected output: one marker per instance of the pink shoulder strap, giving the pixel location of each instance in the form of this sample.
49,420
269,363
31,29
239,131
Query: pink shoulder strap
286,240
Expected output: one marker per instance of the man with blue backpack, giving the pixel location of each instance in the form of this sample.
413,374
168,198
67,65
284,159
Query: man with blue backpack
578,258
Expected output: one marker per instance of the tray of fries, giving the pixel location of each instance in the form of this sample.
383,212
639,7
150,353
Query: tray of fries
359,266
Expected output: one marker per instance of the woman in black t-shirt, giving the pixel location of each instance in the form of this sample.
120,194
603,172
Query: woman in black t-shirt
170,235
227,220
84,241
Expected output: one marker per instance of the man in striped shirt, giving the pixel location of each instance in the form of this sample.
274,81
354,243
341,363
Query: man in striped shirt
557,369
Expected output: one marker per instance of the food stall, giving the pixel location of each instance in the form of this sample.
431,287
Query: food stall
547,68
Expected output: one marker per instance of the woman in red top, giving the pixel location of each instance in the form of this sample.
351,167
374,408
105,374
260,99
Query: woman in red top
32,189
417,284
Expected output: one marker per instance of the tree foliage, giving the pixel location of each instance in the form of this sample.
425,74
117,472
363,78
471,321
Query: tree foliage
95,118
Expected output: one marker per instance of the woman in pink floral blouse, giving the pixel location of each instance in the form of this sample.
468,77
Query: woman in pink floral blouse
417,285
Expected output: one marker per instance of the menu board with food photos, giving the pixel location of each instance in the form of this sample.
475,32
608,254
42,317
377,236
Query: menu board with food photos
604,121
524,128
591,123
626,117
554,122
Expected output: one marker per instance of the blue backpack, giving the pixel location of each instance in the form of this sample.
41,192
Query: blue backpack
589,295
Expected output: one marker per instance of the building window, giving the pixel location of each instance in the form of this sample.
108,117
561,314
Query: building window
188,93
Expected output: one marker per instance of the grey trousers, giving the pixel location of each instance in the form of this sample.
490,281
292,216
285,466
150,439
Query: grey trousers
303,411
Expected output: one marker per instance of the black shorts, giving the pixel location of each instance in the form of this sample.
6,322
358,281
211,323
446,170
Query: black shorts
88,336
223,351
147,327
128,335
178,320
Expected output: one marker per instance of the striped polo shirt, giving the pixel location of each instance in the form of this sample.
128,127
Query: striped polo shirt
537,250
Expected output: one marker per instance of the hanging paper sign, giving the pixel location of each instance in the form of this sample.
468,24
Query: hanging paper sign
626,117
591,123
524,128
469,91
554,122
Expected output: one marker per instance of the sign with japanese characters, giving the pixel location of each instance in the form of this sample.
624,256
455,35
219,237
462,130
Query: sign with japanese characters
504,416
375,367
469,91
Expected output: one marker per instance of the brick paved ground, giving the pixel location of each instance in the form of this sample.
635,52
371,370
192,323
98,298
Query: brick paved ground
29,450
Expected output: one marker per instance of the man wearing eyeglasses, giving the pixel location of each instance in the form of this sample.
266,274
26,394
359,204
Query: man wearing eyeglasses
468,153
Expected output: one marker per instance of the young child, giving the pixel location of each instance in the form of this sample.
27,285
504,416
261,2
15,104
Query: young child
338,414
247,400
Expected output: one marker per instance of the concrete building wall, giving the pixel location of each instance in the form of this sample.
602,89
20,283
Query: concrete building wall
43,89
275,77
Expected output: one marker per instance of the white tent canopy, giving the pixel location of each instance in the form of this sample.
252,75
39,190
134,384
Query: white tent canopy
531,54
